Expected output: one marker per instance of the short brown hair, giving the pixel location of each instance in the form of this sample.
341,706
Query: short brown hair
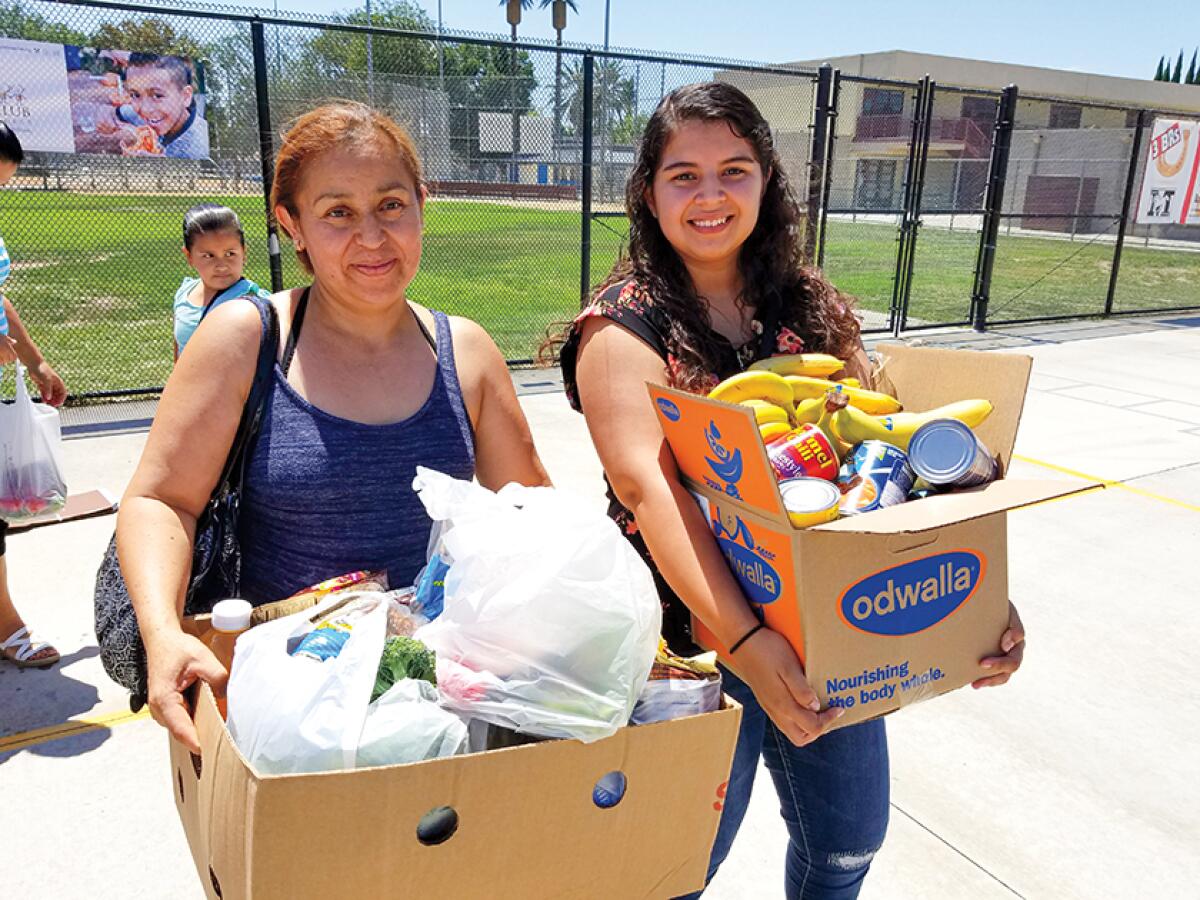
332,126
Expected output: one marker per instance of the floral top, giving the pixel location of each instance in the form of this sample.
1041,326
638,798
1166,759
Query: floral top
633,308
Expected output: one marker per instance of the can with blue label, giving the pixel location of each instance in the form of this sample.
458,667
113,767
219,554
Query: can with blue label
946,453
875,476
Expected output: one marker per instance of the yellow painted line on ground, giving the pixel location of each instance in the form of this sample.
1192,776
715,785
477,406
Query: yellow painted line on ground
1108,482
70,728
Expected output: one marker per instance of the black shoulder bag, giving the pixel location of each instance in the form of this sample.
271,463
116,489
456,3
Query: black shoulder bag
216,558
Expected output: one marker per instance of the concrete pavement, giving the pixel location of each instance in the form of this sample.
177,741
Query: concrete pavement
1079,779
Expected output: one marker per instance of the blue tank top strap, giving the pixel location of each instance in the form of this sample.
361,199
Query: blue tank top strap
448,369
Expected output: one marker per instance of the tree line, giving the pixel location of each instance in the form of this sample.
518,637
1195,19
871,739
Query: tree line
1164,72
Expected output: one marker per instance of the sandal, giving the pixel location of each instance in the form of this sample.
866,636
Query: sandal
20,650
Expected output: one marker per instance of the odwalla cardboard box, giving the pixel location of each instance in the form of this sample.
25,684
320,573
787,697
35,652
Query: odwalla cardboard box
527,821
884,608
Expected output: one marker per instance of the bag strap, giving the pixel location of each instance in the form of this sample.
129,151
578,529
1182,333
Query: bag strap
289,349
251,419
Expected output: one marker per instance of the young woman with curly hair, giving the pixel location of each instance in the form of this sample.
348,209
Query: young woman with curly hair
713,279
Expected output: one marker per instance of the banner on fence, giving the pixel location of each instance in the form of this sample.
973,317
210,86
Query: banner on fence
1170,192
66,99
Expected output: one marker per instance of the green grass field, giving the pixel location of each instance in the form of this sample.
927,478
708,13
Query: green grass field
94,274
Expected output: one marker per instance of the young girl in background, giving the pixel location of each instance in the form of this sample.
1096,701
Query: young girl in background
714,278
16,644
215,247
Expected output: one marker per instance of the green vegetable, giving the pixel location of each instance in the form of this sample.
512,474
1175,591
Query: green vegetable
403,657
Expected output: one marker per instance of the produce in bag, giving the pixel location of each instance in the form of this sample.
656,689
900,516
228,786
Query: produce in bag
31,480
292,713
551,619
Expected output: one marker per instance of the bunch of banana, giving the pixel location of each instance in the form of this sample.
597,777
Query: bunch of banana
766,413
814,364
764,386
830,405
805,387
853,426
809,411
772,431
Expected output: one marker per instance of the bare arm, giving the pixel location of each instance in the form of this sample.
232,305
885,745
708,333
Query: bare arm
182,460
49,384
613,369
504,449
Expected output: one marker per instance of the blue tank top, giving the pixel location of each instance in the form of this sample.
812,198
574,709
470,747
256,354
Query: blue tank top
323,496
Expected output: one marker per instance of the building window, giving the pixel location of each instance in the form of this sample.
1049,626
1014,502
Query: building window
981,110
1065,115
875,183
881,102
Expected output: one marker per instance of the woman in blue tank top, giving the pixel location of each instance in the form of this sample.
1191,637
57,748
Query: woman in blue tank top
367,387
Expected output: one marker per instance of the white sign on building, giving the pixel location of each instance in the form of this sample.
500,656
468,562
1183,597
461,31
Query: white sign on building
1170,192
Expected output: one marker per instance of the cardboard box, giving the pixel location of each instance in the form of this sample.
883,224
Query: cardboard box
527,823
884,608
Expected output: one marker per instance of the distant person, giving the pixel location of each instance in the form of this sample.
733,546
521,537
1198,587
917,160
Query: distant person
215,246
16,643
161,97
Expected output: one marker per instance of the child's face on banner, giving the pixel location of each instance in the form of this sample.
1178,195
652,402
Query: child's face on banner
157,99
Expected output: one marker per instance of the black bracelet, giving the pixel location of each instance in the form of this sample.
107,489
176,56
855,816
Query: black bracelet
745,637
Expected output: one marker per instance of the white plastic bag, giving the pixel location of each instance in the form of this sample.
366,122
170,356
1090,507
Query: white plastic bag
295,714
31,480
551,619
407,725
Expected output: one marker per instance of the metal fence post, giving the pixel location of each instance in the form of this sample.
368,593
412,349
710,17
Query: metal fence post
1134,154
266,147
816,161
585,147
993,202
904,240
914,227
831,141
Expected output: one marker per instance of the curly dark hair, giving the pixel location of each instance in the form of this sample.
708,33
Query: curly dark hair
778,283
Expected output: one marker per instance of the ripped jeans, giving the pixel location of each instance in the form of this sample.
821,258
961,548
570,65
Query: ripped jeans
833,795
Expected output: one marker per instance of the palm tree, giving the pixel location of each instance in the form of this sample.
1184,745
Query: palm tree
558,17
514,8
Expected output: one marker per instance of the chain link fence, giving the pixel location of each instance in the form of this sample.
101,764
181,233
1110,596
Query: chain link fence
898,180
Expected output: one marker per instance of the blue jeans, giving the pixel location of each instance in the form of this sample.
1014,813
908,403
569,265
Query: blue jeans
833,795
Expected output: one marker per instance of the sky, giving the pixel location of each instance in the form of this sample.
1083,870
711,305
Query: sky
1102,36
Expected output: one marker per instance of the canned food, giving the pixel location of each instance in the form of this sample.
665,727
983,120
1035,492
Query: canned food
946,453
810,501
876,475
921,489
804,453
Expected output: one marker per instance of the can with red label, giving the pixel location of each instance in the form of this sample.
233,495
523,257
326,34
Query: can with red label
804,453
877,475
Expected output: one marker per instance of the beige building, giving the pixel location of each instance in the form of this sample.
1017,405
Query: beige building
1068,157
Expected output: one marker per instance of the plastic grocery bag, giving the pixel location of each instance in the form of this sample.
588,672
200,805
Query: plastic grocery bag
31,480
407,725
551,619
296,714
